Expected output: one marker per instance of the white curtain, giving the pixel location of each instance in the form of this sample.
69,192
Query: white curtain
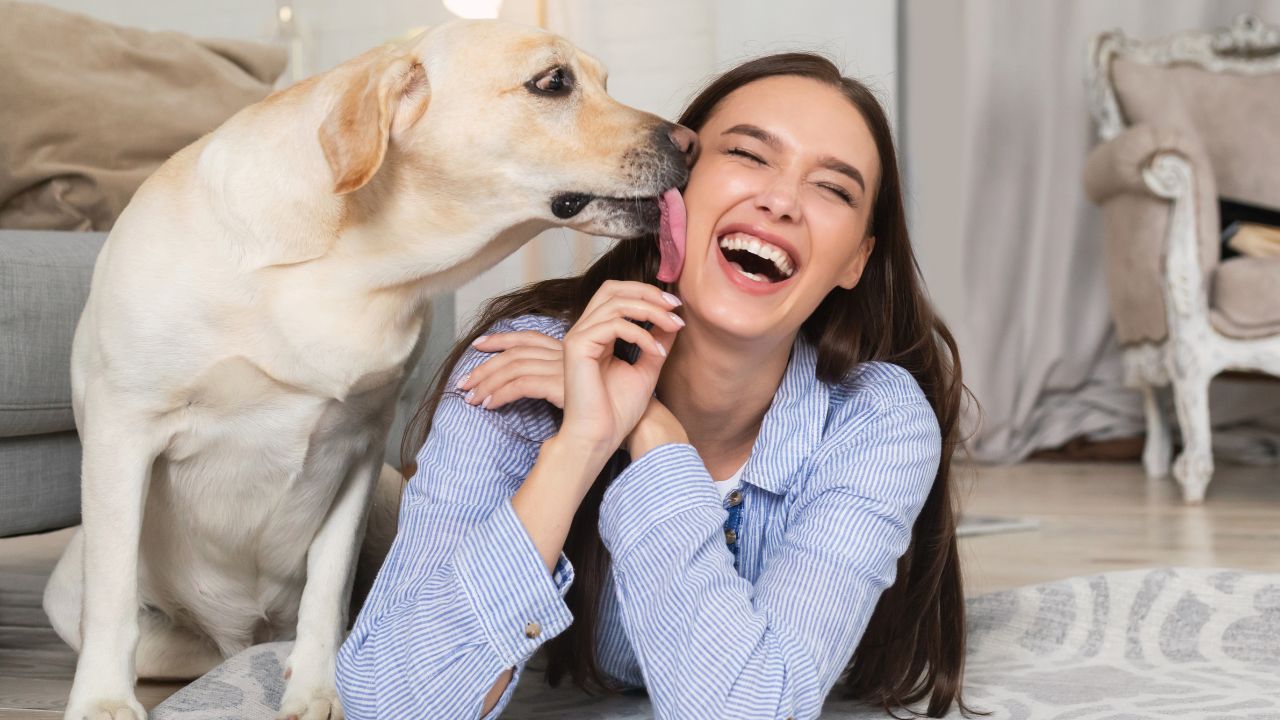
1024,265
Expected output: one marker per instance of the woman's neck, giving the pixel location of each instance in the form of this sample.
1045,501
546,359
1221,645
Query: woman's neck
719,389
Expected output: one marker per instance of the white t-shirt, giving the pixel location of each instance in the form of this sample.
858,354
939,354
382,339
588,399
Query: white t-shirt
729,484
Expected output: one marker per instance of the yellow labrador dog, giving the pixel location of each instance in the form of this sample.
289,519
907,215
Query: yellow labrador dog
253,315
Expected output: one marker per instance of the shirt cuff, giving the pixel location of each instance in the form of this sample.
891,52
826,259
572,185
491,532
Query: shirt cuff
519,604
666,481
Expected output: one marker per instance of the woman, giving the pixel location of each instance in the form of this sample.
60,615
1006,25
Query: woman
800,371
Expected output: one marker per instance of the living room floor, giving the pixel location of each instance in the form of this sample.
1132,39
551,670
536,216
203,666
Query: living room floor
1092,518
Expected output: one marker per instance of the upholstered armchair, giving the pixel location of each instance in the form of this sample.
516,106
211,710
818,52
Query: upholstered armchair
1184,121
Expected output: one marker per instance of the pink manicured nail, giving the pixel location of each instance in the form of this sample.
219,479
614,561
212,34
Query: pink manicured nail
462,381
479,340
672,300
485,404
661,350
679,320
471,394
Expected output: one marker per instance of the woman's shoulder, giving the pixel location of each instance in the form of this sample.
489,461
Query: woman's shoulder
881,399
877,383
882,433
546,324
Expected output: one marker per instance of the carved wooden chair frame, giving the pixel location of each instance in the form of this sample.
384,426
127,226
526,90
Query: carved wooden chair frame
1193,351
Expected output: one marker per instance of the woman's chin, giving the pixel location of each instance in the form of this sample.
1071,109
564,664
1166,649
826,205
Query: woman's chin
729,319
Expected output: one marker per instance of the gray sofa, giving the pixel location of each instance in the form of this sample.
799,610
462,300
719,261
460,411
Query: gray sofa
44,281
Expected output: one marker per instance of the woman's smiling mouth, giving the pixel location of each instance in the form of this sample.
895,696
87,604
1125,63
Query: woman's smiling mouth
756,261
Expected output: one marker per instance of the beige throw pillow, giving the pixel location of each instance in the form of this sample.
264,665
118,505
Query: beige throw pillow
88,109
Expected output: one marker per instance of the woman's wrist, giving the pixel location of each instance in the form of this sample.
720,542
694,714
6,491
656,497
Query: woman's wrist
578,458
658,426
648,437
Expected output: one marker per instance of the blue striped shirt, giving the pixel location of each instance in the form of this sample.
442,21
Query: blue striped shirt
757,623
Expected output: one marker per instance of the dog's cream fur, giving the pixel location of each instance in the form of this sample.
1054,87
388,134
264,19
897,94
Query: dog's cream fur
251,320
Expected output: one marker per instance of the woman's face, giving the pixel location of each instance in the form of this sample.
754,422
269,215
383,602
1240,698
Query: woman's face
778,204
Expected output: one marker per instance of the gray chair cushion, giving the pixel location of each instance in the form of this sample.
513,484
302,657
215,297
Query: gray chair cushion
44,282
39,483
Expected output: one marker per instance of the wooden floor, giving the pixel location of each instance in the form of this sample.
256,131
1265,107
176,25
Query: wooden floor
1092,518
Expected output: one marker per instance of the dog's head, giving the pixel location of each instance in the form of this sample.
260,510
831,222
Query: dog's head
503,121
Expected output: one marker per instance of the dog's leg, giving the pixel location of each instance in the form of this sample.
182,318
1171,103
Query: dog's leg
165,651
169,652
311,692
115,472
64,593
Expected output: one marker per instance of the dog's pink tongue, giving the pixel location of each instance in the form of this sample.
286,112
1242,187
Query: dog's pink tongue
671,235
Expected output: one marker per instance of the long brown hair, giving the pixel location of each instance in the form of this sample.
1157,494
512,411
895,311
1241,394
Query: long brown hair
914,644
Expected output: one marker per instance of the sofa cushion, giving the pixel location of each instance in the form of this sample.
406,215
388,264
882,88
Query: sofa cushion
1246,297
39,483
44,282
90,109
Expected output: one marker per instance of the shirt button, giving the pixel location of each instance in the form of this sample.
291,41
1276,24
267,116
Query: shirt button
735,498
730,537
532,630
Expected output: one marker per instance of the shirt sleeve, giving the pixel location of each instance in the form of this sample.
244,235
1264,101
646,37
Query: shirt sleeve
463,594
712,644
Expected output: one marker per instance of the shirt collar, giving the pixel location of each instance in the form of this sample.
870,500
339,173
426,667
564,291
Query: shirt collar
792,426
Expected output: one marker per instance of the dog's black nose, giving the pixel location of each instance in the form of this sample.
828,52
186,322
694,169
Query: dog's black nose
685,140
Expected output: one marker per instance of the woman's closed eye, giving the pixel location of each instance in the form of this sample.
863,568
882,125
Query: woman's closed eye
745,154
840,192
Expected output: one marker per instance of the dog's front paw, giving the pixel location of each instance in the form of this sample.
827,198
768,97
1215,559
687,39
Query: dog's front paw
310,693
121,709
318,704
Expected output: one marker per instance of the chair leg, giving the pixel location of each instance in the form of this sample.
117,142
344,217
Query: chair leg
1194,466
1158,450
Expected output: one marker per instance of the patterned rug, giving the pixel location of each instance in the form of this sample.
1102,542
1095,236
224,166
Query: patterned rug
1149,644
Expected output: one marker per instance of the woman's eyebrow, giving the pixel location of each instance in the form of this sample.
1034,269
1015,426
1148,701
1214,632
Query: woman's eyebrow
843,168
826,161
758,133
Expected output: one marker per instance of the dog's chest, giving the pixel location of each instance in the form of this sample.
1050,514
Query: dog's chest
253,468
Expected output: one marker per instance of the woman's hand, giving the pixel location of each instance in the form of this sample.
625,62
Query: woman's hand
604,397
529,364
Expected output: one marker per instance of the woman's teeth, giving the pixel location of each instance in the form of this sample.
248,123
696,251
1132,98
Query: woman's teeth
759,248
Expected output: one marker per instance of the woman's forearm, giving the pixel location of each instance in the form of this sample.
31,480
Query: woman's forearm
553,490
545,504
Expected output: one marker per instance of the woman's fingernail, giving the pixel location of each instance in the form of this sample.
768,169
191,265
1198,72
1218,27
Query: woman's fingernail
485,404
672,300
661,350
471,394
462,381
479,340
678,320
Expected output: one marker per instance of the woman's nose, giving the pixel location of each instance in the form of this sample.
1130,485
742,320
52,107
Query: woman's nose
779,200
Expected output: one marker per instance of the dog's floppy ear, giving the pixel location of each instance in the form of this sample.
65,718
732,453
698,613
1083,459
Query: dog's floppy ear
355,134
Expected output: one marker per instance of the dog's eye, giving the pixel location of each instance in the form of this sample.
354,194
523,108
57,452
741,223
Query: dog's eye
556,81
